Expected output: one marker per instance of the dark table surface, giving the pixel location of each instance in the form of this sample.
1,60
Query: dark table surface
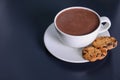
23,55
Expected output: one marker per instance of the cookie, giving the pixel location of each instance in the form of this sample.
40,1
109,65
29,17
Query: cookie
105,42
92,53
99,47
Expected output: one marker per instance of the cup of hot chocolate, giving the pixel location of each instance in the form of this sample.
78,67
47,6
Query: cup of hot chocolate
79,26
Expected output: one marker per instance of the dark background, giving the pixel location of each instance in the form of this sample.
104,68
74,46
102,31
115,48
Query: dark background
23,55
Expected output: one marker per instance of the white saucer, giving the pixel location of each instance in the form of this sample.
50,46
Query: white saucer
61,51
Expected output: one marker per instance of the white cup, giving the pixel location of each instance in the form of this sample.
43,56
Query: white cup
82,40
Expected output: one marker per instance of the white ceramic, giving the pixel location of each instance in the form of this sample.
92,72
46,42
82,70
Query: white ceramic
61,51
83,40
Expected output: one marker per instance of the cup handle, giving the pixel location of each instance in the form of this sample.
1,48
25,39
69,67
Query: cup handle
105,26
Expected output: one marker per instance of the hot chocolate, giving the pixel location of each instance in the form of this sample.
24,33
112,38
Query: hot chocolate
77,21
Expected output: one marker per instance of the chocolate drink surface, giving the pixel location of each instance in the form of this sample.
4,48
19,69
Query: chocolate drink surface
77,21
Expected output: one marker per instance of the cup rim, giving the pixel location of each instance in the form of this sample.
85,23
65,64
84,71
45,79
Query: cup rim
78,7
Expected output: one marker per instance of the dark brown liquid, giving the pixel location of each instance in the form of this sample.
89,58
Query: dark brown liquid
77,21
